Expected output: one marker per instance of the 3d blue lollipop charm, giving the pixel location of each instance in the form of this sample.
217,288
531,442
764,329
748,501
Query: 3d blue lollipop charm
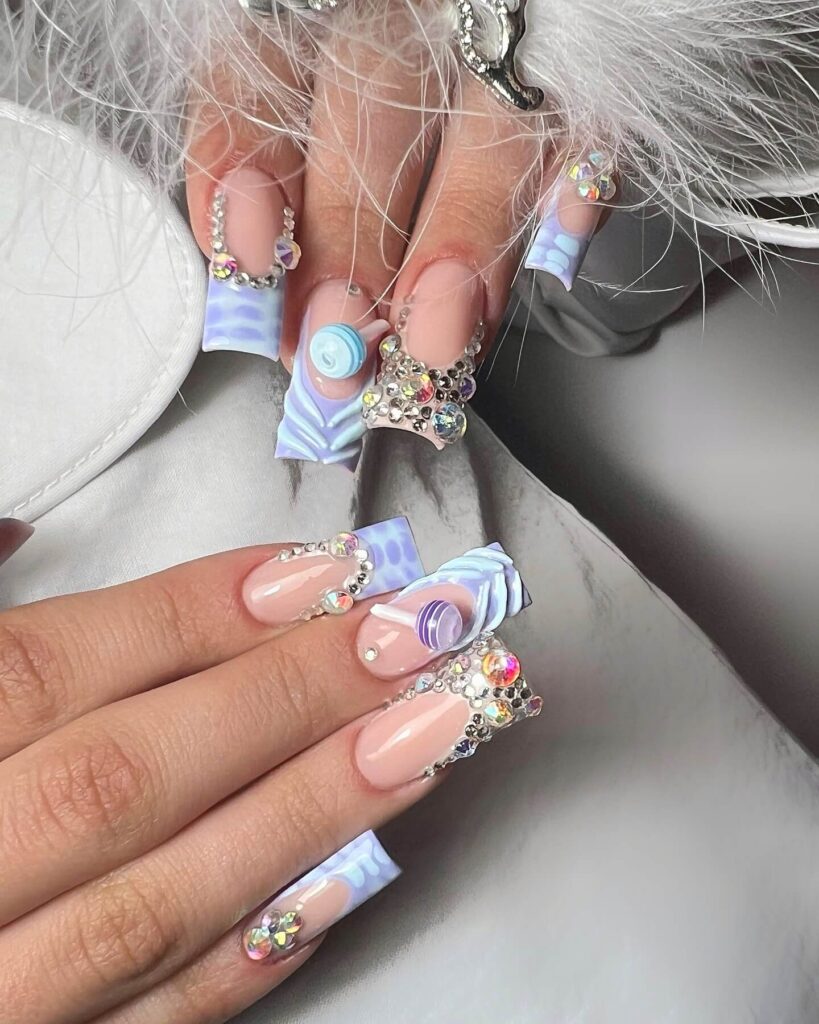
338,351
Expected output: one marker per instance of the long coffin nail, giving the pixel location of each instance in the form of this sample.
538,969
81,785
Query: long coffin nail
333,368
441,612
328,577
13,535
320,899
444,717
571,217
253,247
426,377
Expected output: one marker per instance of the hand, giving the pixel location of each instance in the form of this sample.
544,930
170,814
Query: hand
175,750
168,762
388,235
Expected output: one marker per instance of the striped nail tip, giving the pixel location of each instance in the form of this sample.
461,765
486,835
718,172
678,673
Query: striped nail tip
315,428
349,877
488,677
394,554
239,318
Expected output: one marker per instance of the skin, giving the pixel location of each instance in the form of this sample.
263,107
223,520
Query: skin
364,210
166,763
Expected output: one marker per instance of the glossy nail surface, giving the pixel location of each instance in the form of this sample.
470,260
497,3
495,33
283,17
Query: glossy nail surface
248,216
480,589
444,717
320,899
333,367
329,576
570,219
427,374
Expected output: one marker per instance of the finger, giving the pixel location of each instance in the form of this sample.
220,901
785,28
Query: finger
63,657
374,118
13,534
119,936
244,185
114,783
212,989
454,286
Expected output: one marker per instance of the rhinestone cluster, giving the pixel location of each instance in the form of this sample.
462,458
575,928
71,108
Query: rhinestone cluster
275,933
343,545
411,394
591,173
488,675
225,267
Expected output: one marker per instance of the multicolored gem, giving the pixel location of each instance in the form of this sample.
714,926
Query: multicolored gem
499,713
371,398
418,388
449,422
337,602
287,252
344,545
223,266
275,933
389,345
501,668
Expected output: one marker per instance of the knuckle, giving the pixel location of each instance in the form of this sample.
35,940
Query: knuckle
30,678
126,932
287,691
175,620
91,786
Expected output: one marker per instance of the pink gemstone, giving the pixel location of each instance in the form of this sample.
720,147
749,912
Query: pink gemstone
534,706
501,668
287,252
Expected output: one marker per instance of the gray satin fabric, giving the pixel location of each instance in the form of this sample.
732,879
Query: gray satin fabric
645,851
641,266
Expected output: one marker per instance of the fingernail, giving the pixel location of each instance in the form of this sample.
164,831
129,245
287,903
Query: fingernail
441,612
571,217
253,247
320,899
333,368
13,535
328,577
444,717
427,373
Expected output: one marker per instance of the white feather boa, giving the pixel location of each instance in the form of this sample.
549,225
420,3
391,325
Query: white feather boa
706,104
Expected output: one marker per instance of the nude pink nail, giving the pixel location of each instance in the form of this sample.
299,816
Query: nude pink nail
444,717
427,375
320,899
329,576
254,220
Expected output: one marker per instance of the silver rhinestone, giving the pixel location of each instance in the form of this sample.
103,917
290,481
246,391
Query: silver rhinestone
371,654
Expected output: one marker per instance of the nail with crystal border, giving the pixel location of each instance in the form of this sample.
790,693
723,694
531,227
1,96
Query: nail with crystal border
445,716
244,308
320,899
571,216
327,577
426,400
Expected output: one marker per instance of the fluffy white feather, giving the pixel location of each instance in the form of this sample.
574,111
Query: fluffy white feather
697,99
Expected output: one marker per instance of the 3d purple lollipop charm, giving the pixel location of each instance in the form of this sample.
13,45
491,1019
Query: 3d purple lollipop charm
437,624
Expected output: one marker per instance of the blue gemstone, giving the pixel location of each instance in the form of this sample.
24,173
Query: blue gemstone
466,748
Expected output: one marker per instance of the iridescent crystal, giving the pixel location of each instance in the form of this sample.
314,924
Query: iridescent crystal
466,748
582,171
424,683
257,942
477,687
608,189
389,345
287,252
284,935
589,191
534,706
371,397
501,667
418,388
499,713
467,387
337,602
344,545
223,266
449,422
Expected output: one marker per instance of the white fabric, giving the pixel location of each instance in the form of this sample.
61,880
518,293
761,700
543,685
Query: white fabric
645,852
101,297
